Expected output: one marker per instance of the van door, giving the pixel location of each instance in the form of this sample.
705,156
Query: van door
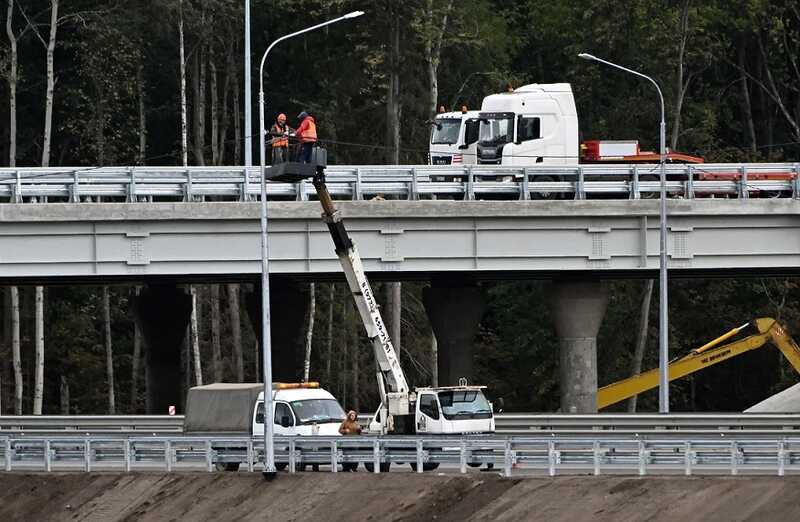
429,414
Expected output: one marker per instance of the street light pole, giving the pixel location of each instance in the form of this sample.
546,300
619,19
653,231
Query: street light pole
248,102
663,315
266,341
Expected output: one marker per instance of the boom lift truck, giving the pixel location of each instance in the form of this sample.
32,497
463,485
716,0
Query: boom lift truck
458,409
711,353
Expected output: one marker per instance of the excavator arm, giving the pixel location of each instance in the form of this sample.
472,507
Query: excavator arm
707,355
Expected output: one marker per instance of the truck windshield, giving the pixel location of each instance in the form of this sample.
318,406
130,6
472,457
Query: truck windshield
464,404
317,411
496,129
445,131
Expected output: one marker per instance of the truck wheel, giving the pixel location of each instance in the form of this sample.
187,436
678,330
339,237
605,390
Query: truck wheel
227,466
426,466
545,195
474,464
385,466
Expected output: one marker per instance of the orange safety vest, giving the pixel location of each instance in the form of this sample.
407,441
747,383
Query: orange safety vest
279,141
309,134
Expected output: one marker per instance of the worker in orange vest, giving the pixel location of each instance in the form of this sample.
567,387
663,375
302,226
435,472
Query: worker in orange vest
307,136
279,137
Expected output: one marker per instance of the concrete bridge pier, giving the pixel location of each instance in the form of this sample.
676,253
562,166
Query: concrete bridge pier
454,310
163,312
578,310
288,305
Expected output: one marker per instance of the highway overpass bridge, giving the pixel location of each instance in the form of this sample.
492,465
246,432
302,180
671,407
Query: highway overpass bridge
159,227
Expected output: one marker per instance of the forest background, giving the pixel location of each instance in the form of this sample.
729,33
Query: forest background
99,83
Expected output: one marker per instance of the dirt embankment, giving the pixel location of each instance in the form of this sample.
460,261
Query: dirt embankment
392,497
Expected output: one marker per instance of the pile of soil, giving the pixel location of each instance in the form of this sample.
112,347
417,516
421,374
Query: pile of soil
391,497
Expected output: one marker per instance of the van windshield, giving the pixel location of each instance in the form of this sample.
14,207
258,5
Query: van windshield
496,128
445,131
464,404
317,411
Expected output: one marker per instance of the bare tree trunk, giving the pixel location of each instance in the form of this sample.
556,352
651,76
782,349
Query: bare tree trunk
237,122
394,313
15,351
748,110
64,394
99,130
184,129
345,340
356,345
12,88
312,308
112,406
199,82
38,382
194,342
214,108
681,86
48,114
329,337
641,338
434,360
433,49
393,94
216,348
142,156
226,88
236,330
137,357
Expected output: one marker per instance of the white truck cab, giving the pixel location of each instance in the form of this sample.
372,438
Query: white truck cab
454,136
445,410
534,124
300,409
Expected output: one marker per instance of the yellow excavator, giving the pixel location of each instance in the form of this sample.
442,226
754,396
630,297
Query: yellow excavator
707,355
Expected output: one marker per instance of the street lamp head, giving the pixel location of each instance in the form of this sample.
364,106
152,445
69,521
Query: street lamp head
354,14
587,56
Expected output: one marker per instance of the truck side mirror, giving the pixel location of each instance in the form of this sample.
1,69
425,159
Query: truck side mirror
286,421
464,146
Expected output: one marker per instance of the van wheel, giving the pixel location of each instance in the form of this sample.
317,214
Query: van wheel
281,467
227,466
426,466
385,466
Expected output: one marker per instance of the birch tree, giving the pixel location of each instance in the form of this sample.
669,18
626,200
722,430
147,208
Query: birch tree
312,306
194,342
136,360
48,115
329,336
433,26
641,338
38,381
112,409
15,351
236,330
216,348
12,87
184,130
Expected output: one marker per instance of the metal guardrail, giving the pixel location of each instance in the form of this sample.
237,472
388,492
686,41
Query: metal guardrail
148,184
505,423
511,455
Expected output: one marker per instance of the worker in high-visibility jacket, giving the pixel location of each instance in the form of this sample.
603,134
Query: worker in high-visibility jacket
279,138
307,136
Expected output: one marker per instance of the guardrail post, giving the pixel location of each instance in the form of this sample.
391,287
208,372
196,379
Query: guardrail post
580,189
781,458
243,192
75,193
292,457
419,456
470,195
413,194
743,192
507,459
734,458
168,455
300,191
47,463
551,458
18,188
209,457
87,456
9,454
249,447
596,457
687,458
376,456
188,197
132,186
796,184
357,186
642,459
127,454
334,461
463,456
689,192
525,190
635,191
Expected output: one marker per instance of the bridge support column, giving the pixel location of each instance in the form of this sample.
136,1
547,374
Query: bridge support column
288,306
578,310
455,312
163,312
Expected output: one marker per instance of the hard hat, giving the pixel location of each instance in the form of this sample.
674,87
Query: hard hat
281,116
